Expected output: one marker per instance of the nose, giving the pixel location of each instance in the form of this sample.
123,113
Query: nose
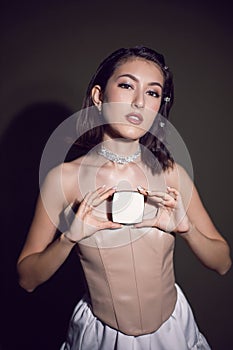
138,100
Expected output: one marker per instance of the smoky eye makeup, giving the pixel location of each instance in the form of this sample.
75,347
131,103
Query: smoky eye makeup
125,85
128,81
153,93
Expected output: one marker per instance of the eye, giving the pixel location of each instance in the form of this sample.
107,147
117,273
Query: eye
125,86
153,93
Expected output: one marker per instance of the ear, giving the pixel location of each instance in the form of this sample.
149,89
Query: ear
96,95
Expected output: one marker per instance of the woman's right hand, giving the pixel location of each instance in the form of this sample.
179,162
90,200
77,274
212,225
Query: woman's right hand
84,223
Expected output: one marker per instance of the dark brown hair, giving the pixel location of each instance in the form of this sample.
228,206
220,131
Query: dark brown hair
159,157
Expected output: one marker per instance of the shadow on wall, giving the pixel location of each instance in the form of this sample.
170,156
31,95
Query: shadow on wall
35,320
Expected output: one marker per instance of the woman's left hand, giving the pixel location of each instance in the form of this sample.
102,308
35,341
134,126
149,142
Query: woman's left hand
171,215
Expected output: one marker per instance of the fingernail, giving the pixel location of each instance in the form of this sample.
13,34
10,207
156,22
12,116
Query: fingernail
114,187
140,188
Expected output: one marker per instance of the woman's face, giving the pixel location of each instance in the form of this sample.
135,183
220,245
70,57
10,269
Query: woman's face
132,98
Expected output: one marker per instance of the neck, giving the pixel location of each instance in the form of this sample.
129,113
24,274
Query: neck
121,146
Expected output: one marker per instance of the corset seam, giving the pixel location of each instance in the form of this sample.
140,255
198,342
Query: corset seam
135,277
108,283
162,286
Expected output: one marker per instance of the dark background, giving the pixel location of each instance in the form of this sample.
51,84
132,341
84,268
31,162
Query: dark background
49,50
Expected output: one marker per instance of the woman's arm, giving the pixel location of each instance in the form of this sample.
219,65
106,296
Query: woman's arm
202,237
40,258
180,210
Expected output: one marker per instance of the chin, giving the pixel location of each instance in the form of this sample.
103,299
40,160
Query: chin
126,131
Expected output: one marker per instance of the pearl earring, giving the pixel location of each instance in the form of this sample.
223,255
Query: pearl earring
99,107
166,99
161,124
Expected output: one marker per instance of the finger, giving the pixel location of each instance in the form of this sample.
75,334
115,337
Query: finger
85,206
150,193
146,223
109,224
90,197
161,200
159,194
142,190
102,197
165,199
173,190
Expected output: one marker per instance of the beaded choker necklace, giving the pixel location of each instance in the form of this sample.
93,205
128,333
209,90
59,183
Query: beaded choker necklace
116,158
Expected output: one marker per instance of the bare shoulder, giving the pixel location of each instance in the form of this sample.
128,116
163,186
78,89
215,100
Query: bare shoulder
61,181
177,175
65,171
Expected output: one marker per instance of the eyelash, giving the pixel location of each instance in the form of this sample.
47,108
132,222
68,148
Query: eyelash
125,86
150,92
153,93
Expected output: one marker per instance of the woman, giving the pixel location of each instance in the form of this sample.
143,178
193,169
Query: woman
132,301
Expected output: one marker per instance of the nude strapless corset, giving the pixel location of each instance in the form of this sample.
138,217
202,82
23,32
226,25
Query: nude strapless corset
131,281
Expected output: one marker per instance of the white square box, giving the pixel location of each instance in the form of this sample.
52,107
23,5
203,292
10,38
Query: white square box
127,207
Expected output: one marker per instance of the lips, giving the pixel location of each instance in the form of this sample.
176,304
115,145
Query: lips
134,118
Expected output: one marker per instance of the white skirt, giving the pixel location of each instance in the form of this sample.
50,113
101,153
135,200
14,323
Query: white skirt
179,332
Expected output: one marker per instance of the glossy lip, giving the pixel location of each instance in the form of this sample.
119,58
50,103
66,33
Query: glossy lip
134,118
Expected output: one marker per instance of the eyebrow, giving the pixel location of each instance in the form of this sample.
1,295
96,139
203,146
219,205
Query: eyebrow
135,79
